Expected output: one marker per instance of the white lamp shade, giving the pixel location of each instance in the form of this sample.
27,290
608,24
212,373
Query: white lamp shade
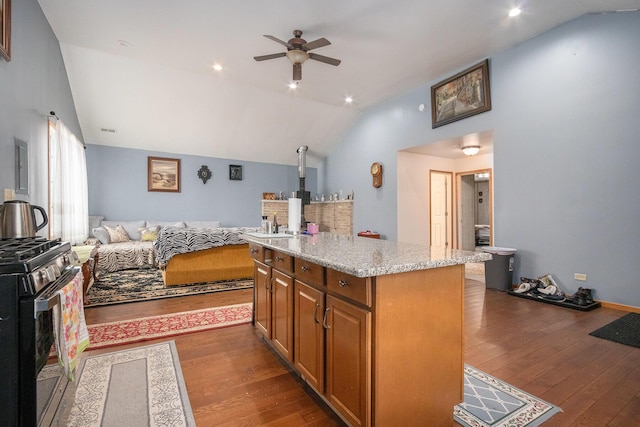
471,150
297,56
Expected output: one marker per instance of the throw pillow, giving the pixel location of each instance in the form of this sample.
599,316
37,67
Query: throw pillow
149,234
101,234
117,234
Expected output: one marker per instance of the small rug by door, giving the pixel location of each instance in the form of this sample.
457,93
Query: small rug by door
489,402
625,330
148,328
146,284
141,386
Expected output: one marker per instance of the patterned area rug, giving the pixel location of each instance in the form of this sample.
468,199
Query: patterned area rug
146,284
142,386
490,402
166,325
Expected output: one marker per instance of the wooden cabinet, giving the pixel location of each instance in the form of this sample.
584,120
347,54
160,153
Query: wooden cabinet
309,334
348,360
282,313
331,341
262,298
273,294
380,351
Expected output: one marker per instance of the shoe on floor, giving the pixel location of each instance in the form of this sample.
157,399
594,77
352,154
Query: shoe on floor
523,288
549,290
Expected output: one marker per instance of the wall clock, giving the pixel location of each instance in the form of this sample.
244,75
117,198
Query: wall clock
376,173
204,174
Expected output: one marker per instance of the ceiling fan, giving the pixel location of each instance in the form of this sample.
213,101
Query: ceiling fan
298,52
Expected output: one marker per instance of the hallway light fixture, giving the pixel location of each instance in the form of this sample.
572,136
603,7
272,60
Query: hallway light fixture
470,150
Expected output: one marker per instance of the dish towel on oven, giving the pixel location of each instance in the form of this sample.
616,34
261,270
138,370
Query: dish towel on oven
72,336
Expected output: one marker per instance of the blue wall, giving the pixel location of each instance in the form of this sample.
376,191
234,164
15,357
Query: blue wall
32,84
565,117
118,188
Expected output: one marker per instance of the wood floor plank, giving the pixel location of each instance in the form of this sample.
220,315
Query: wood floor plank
234,379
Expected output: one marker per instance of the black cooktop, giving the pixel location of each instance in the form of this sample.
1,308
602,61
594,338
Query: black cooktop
16,250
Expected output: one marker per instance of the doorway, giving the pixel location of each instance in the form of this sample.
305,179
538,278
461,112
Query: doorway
474,202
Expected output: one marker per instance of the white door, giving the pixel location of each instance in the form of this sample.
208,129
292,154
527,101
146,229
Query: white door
441,204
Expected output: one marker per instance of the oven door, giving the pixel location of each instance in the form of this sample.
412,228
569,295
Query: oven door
38,400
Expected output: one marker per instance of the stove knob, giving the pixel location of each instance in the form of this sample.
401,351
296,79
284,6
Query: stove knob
51,273
43,277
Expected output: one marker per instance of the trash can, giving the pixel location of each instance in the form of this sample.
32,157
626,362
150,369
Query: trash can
498,273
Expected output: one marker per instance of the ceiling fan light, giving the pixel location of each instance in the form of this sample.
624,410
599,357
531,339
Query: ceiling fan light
297,56
471,150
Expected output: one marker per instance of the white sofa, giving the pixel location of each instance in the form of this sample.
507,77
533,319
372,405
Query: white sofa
135,247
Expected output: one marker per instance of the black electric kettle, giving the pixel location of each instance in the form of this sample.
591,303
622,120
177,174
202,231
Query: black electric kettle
18,220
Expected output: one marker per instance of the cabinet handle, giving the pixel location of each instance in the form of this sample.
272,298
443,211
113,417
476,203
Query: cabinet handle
324,320
271,288
278,259
253,250
305,268
342,283
315,313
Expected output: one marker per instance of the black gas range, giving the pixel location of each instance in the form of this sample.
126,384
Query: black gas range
32,271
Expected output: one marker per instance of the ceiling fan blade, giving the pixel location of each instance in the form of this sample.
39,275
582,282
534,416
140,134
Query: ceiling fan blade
325,59
272,56
297,72
316,44
277,40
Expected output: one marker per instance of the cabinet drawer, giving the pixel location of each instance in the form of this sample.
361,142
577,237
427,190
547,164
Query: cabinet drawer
355,288
281,261
309,272
256,252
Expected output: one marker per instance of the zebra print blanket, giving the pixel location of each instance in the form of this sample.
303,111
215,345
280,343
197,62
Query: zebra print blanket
174,241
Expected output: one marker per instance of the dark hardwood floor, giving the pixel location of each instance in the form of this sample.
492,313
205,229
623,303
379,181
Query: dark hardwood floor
234,379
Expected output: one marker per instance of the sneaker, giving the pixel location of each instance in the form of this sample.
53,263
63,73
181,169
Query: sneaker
524,287
549,290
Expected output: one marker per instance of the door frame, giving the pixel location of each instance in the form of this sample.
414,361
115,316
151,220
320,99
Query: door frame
459,201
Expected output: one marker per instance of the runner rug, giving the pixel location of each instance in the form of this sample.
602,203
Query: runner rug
146,284
148,328
489,402
142,386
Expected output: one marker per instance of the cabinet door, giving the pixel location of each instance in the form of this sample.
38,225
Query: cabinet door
309,334
348,335
262,298
282,313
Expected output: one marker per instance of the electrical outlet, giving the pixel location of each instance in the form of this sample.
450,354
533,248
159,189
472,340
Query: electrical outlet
9,194
580,276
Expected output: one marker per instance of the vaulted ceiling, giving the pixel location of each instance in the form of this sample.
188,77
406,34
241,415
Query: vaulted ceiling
141,72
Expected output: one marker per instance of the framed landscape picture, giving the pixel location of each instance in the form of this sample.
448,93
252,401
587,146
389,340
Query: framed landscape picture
460,96
5,29
163,174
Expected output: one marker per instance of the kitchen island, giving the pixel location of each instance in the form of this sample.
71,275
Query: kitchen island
374,327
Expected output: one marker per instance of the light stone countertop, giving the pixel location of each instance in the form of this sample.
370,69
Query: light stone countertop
365,257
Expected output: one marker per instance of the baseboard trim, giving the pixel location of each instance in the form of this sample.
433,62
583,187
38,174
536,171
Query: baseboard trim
622,307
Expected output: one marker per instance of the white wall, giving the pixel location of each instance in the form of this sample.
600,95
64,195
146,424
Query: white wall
413,190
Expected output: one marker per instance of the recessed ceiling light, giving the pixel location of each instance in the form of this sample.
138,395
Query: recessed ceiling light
293,85
348,100
217,67
515,12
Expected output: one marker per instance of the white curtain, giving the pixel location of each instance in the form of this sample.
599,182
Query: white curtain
68,189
